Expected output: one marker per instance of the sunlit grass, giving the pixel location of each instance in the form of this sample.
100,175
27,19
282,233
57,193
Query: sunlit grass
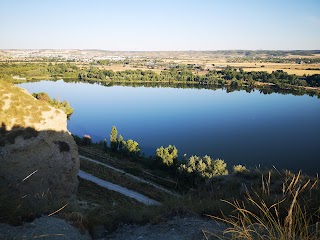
19,108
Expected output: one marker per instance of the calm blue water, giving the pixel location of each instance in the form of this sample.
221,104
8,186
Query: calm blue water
239,127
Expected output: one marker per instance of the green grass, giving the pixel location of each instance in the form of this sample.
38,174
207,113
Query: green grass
140,167
121,179
256,205
111,208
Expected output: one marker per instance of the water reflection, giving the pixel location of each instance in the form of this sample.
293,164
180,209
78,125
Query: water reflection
241,125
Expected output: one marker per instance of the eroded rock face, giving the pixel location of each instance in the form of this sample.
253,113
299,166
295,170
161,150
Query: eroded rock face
39,160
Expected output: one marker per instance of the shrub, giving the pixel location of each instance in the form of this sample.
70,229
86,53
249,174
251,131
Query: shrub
64,106
42,96
167,155
131,147
219,167
239,169
204,167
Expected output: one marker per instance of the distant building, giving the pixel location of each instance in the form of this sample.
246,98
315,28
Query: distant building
18,78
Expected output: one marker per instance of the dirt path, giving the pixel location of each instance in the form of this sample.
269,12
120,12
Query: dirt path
113,187
135,178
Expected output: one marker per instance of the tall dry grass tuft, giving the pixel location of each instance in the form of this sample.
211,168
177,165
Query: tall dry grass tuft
16,209
78,219
267,213
12,206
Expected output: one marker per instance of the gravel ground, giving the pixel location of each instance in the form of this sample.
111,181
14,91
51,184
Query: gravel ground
50,228
177,228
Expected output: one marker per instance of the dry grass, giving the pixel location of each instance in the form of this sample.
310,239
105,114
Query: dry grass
20,112
120,67
298,69
292,213
291,70
302,56
18,107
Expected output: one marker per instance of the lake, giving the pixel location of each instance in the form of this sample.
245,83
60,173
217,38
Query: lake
252,129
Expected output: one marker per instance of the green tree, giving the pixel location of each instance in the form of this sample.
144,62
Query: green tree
131,147
239,169
114,139
120,142
203,167
64,106
167,155
219,167
42,96
105,146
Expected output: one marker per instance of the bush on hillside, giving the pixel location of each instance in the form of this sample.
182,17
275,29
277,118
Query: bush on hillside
167,155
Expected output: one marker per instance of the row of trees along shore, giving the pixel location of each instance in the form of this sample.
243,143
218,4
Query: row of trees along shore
193,170
231,75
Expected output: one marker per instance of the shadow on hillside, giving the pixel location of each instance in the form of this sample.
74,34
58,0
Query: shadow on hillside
9,137
38,172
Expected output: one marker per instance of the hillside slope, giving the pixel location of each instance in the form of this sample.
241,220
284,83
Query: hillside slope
39,160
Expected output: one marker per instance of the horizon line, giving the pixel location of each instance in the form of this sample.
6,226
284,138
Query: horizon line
190,50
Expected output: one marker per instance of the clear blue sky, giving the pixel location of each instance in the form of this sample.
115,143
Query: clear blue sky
160,24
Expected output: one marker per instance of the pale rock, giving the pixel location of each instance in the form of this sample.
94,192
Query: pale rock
44,150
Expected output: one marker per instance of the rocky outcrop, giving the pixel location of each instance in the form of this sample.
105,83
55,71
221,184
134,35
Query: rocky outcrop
176,228
39,160
43,228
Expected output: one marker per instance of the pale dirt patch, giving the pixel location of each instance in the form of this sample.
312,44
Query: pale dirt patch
298,72
58,123
6,98
120,68
18,107
303,56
